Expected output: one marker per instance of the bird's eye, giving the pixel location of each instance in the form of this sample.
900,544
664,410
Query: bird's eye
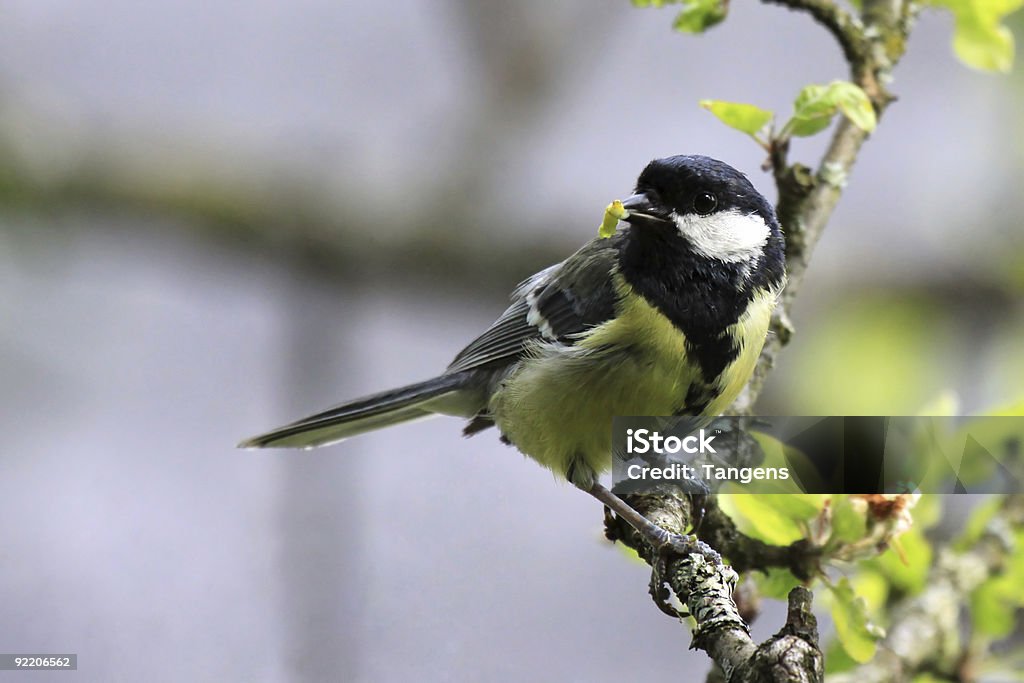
704,203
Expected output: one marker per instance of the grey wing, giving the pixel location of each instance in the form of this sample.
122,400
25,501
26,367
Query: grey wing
553,305
502,341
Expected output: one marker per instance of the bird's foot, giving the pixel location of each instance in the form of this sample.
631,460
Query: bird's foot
668,547
659,590
665,546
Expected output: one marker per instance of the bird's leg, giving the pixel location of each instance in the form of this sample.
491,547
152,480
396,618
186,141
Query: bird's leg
662,542
654,535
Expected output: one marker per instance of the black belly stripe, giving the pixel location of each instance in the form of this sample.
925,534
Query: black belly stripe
715,356
697,400
702,297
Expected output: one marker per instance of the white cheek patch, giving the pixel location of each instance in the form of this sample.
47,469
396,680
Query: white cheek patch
728,236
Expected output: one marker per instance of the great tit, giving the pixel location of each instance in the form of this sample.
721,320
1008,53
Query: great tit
665,317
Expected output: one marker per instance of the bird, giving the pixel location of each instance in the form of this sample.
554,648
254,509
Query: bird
666,316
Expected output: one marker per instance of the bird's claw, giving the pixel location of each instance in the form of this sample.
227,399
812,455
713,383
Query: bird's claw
666,547
661,595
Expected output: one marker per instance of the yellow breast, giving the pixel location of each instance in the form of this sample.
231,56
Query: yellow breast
748,333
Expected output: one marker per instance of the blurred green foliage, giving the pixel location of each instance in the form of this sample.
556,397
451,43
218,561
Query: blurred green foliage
905,566
696,16
854,628
980,40
871,355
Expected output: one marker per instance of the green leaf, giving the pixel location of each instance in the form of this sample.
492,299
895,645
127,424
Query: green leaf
857,634
775,583
873,588
746,118
700,15
928,511
766,517
696,16
854,104
801,507
836,659
849,523
812,112
815,106
979,38
910,575
979,518
995,602
994,605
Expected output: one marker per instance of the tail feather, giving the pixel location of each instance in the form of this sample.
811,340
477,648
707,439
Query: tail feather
361,415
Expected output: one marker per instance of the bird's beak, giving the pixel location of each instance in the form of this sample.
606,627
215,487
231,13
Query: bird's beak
639,208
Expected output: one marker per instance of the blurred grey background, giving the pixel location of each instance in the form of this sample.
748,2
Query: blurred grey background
219,216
